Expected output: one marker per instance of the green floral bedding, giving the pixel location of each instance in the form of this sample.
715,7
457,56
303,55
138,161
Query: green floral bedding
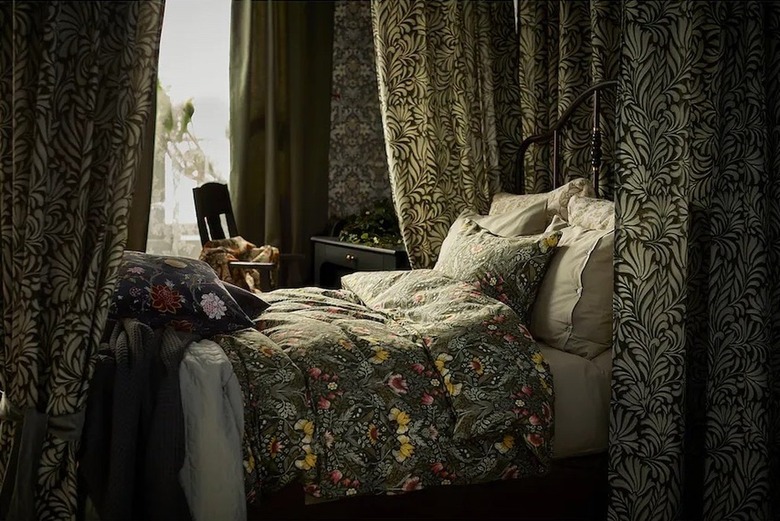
400,381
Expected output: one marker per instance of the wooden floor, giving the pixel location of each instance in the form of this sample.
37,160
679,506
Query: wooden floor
575,490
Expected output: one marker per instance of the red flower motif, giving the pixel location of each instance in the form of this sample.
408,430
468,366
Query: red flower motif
426,399
181,325
165,299
418,368
323,403
527,390
312,490
534,420
511,473
335,476
412,483
437,467
535,439
315,372
398,384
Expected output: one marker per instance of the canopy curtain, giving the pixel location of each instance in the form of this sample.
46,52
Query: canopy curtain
449,98
696,381
75,93
565,47
280,90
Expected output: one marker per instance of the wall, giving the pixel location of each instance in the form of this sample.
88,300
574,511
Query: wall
358,172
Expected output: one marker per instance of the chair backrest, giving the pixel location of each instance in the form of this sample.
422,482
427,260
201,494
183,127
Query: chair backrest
212,200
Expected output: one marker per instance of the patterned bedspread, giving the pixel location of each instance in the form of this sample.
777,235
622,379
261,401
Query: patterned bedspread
400,381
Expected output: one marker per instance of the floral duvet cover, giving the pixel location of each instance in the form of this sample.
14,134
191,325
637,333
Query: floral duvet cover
402,380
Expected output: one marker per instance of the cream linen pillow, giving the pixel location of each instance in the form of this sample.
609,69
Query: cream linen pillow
590,213
573,309
557,200
528,219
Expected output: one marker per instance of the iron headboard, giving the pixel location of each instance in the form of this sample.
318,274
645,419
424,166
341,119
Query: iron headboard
554,135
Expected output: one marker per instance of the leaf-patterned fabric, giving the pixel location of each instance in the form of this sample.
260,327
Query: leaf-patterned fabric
76,79
404,380
449,97
696,377
565,47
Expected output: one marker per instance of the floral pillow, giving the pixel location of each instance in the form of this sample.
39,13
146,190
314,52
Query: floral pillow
174,291
509,269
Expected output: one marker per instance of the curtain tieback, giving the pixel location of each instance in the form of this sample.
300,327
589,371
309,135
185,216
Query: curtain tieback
17,497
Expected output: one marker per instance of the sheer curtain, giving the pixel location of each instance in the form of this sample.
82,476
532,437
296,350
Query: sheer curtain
192,143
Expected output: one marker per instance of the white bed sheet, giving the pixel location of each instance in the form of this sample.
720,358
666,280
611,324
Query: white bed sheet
581,410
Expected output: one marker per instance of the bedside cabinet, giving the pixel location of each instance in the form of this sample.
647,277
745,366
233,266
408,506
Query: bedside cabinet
334,258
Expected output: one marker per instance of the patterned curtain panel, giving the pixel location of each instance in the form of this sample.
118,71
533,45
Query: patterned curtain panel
565,47
449,98
75,88
696,387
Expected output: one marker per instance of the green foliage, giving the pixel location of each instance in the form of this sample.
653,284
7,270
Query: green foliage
375,226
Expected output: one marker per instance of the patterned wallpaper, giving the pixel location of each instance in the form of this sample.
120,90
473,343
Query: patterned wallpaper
358,173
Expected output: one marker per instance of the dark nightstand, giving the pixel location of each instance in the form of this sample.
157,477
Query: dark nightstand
334,258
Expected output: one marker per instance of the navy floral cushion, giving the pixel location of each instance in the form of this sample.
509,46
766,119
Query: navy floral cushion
185,294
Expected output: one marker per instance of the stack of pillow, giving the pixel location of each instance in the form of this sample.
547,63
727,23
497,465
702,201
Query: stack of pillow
549,256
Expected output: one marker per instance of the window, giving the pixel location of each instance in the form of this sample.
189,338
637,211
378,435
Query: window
192,144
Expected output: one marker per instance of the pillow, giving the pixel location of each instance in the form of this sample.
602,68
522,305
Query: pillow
252,305
508,269
528,219
557,200
573,309
593,214
174,291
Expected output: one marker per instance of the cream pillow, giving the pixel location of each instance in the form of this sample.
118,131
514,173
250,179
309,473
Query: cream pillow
528,219
590,213
557,200
573,308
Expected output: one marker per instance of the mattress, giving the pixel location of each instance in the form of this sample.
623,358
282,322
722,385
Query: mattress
581,407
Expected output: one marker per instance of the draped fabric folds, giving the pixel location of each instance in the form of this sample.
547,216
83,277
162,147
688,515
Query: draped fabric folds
696,381
280,90
565,47
448,92
76,80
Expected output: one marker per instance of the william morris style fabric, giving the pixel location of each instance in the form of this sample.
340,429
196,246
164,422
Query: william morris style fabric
76,79
696,391
449,96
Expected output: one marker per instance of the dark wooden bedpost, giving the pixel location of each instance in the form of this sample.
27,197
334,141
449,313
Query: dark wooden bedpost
595,149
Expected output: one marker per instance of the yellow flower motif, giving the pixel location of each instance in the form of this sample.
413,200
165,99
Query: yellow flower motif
506,444
307,426
453,389
441,361
537,358
405,450
249,465
401,418
267,351
380,355
551,241
346,344
308,461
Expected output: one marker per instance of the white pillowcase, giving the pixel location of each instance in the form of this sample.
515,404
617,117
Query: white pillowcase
527,219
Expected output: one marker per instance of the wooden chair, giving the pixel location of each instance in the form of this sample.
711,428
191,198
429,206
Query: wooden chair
212,201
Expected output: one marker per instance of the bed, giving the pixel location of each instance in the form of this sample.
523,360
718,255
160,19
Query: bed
424,393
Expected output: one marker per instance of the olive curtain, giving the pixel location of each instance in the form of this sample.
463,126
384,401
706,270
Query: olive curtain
696,381
565,47
76,80
448,91
280,90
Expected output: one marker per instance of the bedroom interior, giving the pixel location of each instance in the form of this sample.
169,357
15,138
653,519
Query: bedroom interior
581,321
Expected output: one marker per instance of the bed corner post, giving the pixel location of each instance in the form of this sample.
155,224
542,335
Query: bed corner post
595,149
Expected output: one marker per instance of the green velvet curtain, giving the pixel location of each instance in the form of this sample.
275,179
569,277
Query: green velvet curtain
565,47
449,97
280,90
76,80
696,383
